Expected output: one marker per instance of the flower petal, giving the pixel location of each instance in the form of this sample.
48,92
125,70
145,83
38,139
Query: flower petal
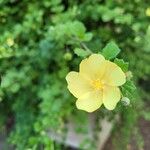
90,102
111,96
91,67
113,75
77,85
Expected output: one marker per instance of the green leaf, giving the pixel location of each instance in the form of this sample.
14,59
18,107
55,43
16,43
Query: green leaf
128,89
78,29
87,37
123,65
111,50
81,52
130,86
146,46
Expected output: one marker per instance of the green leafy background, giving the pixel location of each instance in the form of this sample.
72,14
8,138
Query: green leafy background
40,42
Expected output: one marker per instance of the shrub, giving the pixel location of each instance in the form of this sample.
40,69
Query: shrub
37,45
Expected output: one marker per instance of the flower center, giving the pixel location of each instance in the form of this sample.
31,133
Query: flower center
97,84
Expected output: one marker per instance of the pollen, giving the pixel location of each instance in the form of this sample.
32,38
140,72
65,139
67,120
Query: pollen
97,84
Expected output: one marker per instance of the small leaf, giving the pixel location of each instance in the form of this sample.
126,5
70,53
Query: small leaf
81,52
146,46
78,29
111,50
129,85
87,37
128,89
123,65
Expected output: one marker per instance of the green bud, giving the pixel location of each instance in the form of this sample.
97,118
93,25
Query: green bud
129,75
125,101
68,56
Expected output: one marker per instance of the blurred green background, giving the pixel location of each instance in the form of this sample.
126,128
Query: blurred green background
37,42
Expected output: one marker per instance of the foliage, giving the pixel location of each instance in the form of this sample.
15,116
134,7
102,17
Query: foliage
110,51
37,44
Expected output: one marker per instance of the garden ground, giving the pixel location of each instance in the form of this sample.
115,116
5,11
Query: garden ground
144,127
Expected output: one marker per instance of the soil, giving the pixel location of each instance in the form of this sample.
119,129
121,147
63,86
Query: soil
145,131
144,127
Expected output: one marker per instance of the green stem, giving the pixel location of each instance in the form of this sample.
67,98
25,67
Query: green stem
86,48
83,45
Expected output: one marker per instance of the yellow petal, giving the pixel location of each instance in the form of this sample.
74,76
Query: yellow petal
90,102
77,85
111,96
113,75
91,67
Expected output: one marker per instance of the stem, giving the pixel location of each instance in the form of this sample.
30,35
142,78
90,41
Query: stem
83,45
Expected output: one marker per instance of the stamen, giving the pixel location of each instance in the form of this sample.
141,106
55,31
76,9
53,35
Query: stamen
97,84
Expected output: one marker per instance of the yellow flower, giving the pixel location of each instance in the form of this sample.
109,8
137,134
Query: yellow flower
96,83
147,12
10,42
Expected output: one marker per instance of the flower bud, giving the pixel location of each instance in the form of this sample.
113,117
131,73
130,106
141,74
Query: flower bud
129,75
68,56
125,101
